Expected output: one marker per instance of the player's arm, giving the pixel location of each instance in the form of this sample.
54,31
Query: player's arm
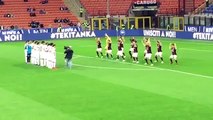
144,38
106,45
175,46
170,45
123,39
149,41
143,42
106,40
96,40
110,41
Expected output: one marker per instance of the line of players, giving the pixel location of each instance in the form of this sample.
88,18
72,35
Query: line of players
40,53
133,52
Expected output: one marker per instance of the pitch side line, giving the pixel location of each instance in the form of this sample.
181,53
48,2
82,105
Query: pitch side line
75,57
177,71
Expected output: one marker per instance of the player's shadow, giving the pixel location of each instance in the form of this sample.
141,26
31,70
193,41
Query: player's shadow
74,67
26,66
36,67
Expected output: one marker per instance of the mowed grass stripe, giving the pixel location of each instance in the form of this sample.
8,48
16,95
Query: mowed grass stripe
14,106
91,99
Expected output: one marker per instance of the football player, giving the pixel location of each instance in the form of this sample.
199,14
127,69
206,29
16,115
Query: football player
159,52
173,48
120,50
99,48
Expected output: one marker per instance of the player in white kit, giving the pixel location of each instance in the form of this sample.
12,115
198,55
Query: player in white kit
25,51
45,54
33,53
42,53
53,56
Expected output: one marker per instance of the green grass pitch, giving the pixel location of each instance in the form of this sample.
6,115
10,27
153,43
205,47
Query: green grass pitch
101,89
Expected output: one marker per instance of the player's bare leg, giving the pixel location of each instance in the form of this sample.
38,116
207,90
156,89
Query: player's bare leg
146,61
130,54
151,62
171,62
156,58
102,54
123,58
118,57
97,53
107,55
111,56
124,55
136,60
162,60
176,61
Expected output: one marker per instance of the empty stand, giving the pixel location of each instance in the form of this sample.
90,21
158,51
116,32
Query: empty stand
199,2
173,7
99,7
168,6
22,18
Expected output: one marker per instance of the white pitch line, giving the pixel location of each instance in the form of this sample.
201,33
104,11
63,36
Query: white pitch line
116,61
177,71
127,63
197,50
75,57
112,68
113,61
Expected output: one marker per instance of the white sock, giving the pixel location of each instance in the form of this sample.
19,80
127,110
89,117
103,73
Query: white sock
45,62
36,61
41,63
54,65
49,64
32,60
